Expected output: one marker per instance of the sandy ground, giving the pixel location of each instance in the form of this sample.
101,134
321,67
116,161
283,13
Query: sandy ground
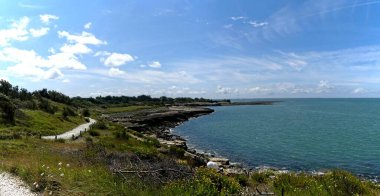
76,131
13,186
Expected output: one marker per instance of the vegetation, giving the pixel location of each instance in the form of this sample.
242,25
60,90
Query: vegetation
142,99
112,160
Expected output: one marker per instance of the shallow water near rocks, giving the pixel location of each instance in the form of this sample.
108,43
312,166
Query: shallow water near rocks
296,134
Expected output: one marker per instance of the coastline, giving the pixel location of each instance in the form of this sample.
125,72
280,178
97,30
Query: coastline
159,123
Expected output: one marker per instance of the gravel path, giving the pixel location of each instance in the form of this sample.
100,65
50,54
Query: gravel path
13,186
76,131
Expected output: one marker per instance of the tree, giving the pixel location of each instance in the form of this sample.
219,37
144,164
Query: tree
8,109
86,113
5,87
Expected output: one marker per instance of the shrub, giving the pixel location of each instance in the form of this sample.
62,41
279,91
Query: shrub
101,124
176,151
336,182
205,182
155,142
122,135
94,133
86,112
46,106
8,109
69,111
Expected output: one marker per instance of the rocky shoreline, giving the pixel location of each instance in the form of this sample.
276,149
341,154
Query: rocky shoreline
158,122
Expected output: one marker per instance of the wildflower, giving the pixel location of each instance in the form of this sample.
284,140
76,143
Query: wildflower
62,174
59,169
67,165
34,183
36,186
51,192
89,171
60,163
42,174
43,165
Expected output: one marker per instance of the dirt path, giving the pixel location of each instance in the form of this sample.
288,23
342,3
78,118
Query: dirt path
11,185
69,135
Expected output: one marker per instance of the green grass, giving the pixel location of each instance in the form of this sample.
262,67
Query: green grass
336,182
58,168
205,182
35,122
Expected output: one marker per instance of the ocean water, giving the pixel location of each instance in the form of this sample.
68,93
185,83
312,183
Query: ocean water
296,134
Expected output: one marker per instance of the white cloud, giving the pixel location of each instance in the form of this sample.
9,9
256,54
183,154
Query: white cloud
117,59
16,32
154,64
75,49
46,18
65,61
84,38
27,63
259,90
224,90
359,91
238,18
257,24
324,86
296,64
115,72
52,50
87,25
39,32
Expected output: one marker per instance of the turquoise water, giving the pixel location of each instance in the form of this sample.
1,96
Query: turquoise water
296,134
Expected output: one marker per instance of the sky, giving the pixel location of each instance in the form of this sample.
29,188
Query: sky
199,48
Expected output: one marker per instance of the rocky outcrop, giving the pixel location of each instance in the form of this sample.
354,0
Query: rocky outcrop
157,123
159,120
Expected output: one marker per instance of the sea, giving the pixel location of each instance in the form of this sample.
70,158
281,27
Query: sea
293,134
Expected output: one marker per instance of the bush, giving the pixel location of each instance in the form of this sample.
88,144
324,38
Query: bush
176,151
86,113
336,182
46,106
122,135
101,124
94,133
68,111
8,109
205,182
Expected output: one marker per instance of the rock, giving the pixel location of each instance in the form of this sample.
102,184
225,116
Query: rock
220,161
199,160
163,150
212,165
234,170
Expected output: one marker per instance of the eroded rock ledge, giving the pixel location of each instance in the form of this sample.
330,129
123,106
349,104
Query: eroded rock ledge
158,122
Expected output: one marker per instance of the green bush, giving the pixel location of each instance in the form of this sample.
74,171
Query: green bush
205,182
94,133
176,151
337,182
101,124
122,135
46,106
86,112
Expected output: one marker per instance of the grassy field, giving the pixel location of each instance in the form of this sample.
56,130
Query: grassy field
36,122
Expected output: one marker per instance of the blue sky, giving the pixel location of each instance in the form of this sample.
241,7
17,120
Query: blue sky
214,49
